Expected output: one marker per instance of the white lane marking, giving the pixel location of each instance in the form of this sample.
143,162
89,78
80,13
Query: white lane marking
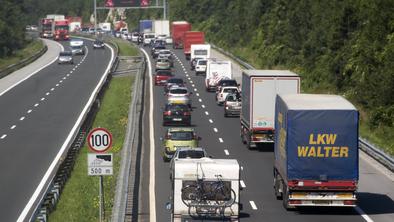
55,162
363,214
29,111
195,89
197,94
203,106
33,73
3,136
188,78
71,71
68,75
226,152
242,184
42,99
13,127
64,78
22,118
187,75
242,168
191,81
61,81
192,84
254,207
221,140
215,129
52,89
47,93
200,100
206,113
210,120
35,105
57,84
152,197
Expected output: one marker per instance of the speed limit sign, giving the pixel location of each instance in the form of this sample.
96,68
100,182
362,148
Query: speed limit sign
99,140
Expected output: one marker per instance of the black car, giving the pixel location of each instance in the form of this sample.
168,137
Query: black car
156,48
226,82
173,81
176,114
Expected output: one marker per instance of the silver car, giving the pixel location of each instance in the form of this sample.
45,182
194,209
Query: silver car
232,105
163,64
65,57
179,95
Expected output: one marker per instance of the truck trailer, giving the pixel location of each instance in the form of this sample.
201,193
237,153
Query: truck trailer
200,51
316,151
178,28
217,70
45,28
146,26
205,189
259,90
190,38
161,27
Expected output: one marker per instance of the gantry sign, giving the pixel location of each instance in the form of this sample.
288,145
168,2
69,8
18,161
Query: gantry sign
127,3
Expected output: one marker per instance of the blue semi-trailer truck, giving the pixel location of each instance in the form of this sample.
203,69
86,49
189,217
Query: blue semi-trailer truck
146,26
316,150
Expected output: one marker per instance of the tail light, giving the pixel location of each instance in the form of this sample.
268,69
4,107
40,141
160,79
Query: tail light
294,202
167,113
349,202
186,113
254,138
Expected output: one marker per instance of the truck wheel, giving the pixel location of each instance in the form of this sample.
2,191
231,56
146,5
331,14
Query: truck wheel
285,197
243,138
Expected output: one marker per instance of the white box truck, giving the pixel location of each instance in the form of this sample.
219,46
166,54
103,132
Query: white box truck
205,189
259,90
161,27
202,51
217,70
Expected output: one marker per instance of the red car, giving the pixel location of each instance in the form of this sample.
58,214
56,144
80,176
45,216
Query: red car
162,76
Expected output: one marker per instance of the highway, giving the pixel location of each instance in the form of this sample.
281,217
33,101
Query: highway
220,137
37,117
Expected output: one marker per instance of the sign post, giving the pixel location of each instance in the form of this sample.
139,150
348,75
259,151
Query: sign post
100,163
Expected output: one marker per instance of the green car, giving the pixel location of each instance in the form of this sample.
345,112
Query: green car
176,138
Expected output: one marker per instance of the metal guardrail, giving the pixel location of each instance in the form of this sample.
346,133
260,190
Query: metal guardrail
47,200
376,153
11,68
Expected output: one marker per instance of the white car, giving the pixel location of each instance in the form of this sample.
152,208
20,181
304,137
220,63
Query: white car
179,95
201,66
148,37
168,40
224,91
184,153
134,37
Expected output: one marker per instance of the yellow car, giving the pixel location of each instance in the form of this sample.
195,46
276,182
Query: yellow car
176,138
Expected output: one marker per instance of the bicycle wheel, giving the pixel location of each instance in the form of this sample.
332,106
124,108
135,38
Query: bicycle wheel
189,193
222,193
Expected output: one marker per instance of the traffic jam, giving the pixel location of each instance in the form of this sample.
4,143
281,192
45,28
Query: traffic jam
207,187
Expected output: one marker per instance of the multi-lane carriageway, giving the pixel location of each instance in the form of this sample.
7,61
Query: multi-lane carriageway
220,137
38,113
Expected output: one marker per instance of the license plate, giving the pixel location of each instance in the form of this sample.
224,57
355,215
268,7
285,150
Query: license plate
177,119
326,202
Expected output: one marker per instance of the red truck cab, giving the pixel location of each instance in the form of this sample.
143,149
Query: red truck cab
178,28
61,28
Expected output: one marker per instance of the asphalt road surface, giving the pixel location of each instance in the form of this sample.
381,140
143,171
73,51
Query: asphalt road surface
36,117
220,137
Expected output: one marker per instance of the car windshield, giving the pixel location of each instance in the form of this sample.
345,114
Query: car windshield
76,47
231,98
162,60
203,62
65,53
228,83
178,91
230,90
181,135
193,154
177,107
177,81
165,52
149,36
164,73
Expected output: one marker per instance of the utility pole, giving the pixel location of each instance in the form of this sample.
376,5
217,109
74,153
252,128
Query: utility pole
95,17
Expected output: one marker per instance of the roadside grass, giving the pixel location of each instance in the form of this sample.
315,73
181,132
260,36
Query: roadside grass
125,48
31,48
80,198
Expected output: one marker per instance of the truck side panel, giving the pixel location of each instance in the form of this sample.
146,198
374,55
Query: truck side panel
246,92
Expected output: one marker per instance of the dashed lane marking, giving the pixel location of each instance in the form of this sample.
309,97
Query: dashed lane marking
35,105
200,100
47,93
242,184
3,136
29,111
22,118
57,84
215,129
13,127
52,89
254,207
206,113
197,94
221,140
210,120
42,99
195,89
226,152
203,106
